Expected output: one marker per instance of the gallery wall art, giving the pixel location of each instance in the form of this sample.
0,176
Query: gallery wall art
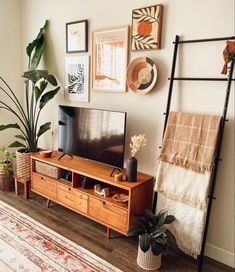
146,28
77,78
109,59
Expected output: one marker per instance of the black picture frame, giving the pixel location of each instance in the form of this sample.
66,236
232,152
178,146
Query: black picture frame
77,36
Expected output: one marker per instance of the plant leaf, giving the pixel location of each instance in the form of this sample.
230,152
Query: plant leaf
51,79
21,137
135,231
169,219
43,128
38,51
36,75
3,127
157,248
145,241
47,97
17,144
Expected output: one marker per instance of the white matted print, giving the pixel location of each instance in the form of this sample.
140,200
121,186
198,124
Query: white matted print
109,59
77,78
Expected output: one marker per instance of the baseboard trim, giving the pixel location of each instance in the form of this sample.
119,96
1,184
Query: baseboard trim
220,255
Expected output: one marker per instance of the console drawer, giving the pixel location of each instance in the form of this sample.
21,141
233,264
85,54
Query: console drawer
72,198
108,213
43,185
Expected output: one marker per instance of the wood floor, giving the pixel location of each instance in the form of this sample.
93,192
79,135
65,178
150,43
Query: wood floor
121,251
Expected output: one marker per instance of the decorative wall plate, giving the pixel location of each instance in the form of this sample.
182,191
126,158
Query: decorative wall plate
141,75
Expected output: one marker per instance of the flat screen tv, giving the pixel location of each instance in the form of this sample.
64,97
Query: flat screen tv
93,134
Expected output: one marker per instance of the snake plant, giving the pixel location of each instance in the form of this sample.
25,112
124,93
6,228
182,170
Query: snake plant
36,96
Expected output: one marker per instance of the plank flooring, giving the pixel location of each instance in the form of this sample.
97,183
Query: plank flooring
121,251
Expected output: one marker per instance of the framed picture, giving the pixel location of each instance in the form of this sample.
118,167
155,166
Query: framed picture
77,36
109,59
146,28
77,78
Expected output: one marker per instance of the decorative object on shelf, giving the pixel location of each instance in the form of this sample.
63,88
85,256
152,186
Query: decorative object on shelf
141,75
36,97
101,191
119,177
121,197
136,143
229,55
6,169
77,78
147,28
77,36
110,53
45,153
154,238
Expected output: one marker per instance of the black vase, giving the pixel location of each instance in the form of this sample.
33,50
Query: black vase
131,169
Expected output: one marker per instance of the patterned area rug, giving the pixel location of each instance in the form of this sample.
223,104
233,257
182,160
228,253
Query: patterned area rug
28,246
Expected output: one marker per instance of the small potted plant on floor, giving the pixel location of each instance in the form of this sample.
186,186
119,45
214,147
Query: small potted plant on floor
40,88
6,170
154,238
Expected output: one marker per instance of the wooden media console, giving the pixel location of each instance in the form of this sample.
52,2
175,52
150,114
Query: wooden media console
70,183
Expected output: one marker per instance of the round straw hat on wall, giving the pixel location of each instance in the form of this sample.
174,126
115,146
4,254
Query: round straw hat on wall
141,75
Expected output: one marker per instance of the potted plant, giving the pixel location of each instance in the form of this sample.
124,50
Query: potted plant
36,96
6,169
154,238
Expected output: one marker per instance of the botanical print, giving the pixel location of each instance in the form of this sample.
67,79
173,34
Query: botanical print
110,59
146,28
77,78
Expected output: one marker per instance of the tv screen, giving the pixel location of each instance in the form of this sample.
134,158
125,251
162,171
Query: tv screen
94,134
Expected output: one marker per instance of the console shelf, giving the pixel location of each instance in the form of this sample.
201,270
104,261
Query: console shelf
62,181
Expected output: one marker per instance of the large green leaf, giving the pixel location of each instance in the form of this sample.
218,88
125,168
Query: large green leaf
47,97
157,248
38,92
135,231
161,218
145,241
43,128
31,46
37,53
17,144
21,137
51,79
3,127
36,75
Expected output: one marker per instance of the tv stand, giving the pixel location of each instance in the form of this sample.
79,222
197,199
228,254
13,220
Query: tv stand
46,181
70,155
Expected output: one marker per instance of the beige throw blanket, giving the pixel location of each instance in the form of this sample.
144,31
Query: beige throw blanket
188,226
183,185
190,140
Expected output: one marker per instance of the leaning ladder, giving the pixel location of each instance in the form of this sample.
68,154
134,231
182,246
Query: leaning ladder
224,119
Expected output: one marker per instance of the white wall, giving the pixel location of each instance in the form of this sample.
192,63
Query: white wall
11,59
188,18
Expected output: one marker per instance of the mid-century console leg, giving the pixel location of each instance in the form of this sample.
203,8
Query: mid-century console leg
16,186
48,203
108,233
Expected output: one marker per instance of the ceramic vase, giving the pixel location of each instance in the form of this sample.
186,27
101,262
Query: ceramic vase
131,169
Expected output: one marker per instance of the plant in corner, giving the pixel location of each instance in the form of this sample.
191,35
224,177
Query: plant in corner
36,96
154,238
6,169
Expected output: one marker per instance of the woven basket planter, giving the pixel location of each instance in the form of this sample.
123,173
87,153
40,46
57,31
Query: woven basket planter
6,183
147,260
23,165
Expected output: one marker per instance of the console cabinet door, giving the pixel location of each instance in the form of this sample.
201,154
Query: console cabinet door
43,185
107,213
72,198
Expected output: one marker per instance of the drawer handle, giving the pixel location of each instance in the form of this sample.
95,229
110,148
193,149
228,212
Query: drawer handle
42,178
69,189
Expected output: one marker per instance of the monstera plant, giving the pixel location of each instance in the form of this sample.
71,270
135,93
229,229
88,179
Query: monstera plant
40,88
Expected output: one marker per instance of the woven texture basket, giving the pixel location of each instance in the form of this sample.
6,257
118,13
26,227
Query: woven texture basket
147,260
23,165
6,183
46,169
